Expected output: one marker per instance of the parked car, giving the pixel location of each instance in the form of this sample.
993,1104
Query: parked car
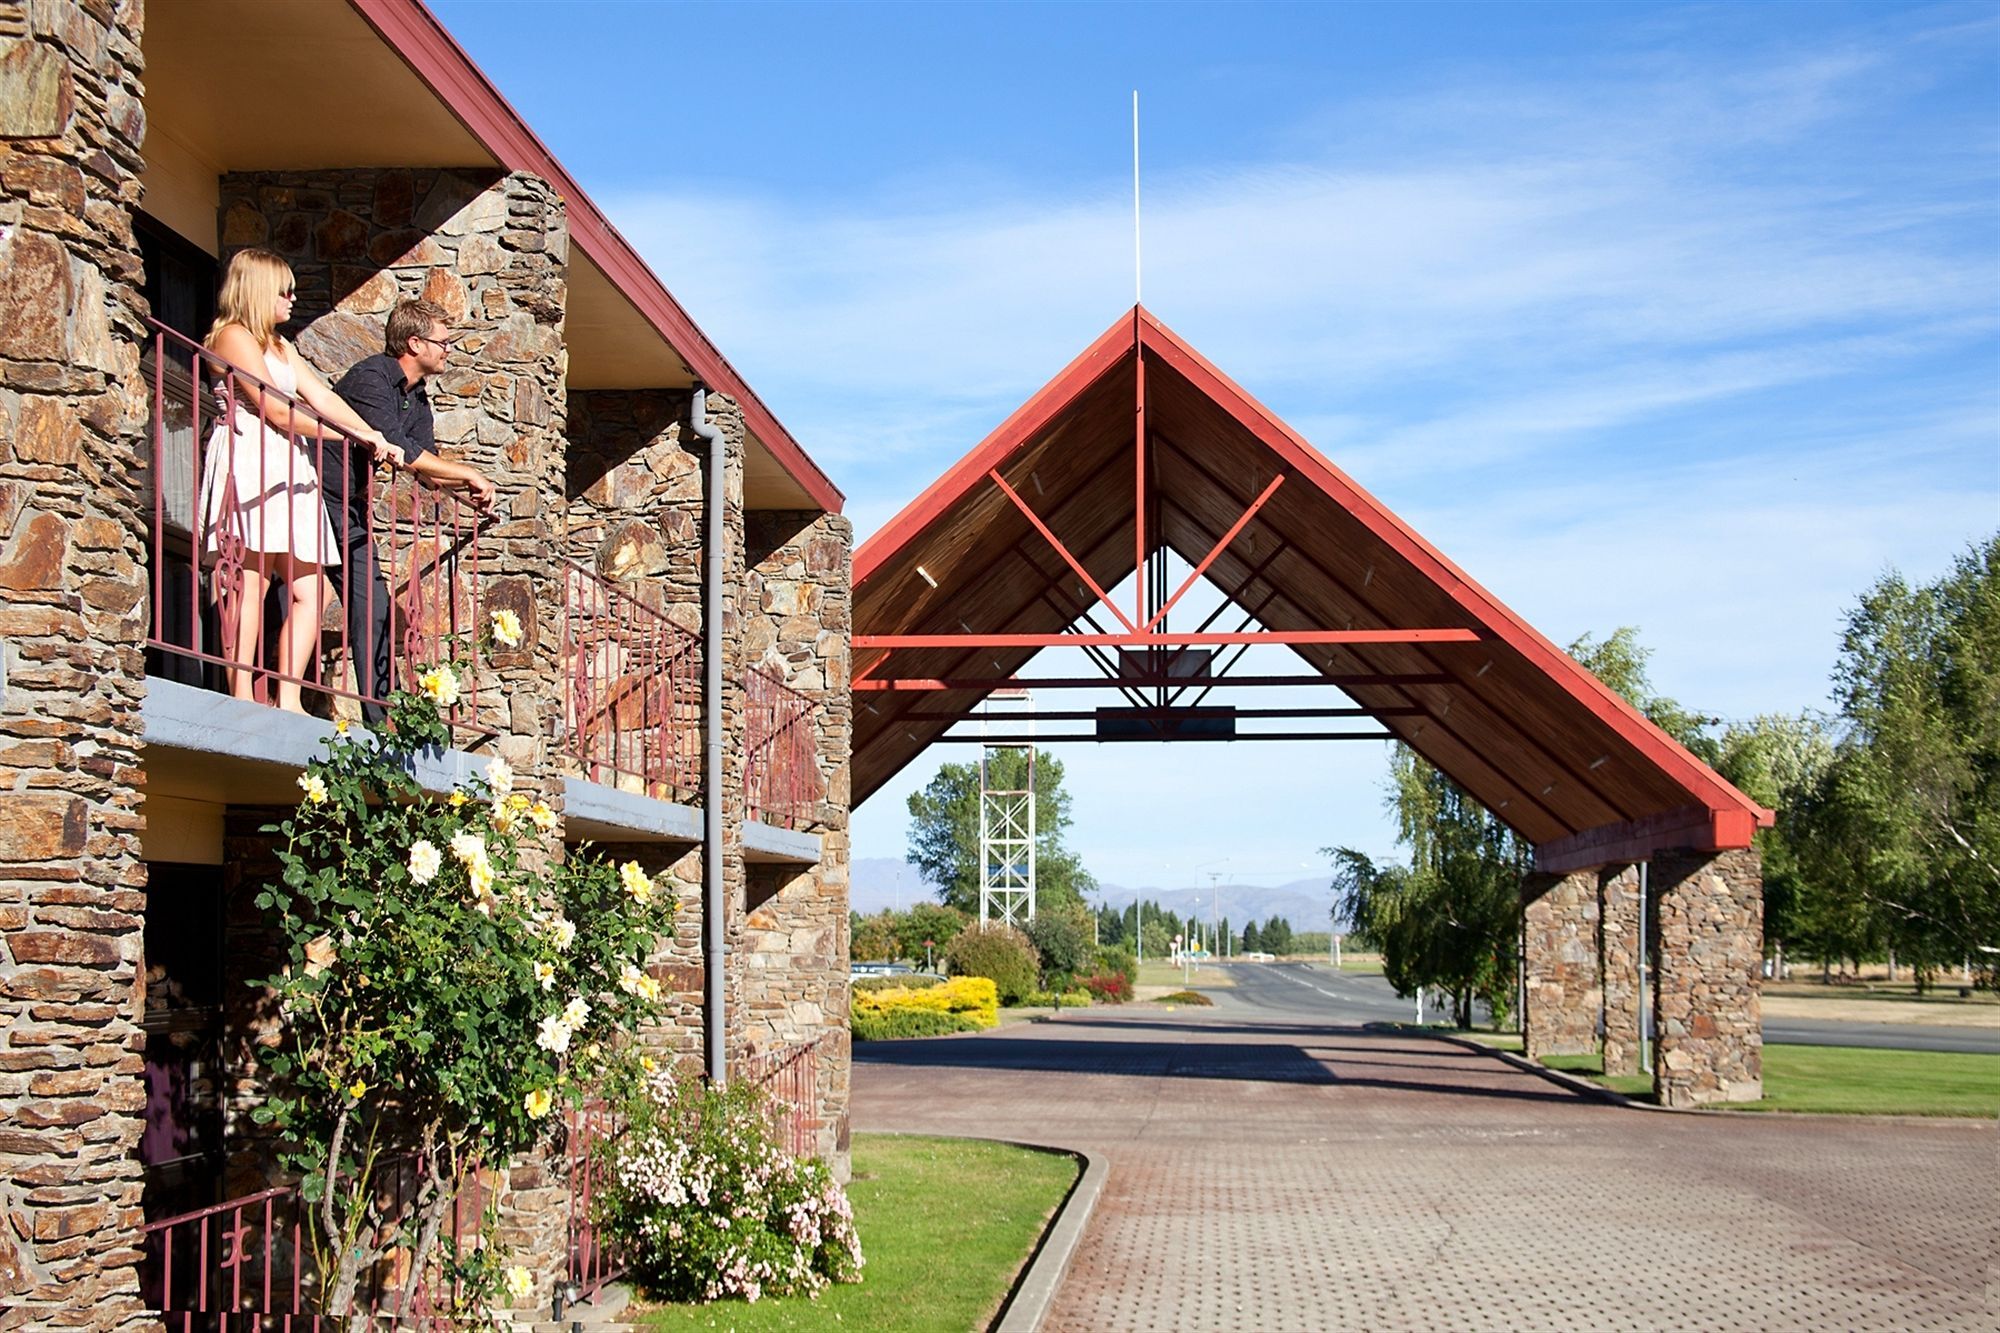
879,970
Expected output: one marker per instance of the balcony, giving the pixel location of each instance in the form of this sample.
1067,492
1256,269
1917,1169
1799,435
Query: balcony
214,496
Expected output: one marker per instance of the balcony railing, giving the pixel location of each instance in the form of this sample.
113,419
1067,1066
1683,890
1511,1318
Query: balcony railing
632,690
781,753
247,1263
225,484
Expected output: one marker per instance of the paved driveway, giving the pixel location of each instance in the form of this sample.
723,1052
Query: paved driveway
1277,1173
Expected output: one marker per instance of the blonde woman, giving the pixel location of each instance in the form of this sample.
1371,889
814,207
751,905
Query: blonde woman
260,488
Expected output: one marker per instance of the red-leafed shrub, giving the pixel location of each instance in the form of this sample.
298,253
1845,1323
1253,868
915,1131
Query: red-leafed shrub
1112,988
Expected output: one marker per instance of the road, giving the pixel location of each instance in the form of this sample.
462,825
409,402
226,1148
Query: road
1315,992
1272,1166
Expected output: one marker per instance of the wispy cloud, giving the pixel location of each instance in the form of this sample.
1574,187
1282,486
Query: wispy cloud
1691,340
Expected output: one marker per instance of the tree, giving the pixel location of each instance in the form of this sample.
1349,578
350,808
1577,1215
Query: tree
927,926
874,938
1278,935
1253,939
944,831
1908,813
1620,662
1449,919
1780,761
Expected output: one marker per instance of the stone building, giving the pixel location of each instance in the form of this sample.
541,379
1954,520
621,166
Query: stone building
139,148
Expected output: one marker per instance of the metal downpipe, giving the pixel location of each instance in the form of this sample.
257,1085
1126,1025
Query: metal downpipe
715,900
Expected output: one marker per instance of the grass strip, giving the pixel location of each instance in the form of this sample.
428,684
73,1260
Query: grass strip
1859,1080
1843,1080
946,1225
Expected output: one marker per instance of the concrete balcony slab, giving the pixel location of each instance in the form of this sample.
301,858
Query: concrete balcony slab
767,844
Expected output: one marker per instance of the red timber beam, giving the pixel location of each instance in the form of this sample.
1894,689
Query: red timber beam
1140,639
1093,739
987,683
1692,826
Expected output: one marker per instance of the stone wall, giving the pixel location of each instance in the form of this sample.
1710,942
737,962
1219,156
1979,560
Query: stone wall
492,249
798,596
1618,947
1710,912
1564,991
635,489
72,631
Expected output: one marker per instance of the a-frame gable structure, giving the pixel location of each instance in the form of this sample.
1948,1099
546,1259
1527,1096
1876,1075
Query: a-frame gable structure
1141,444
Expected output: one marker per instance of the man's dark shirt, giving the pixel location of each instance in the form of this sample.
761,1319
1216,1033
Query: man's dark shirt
376,389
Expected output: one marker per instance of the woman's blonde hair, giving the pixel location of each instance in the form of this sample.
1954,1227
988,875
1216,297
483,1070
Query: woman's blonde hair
250,295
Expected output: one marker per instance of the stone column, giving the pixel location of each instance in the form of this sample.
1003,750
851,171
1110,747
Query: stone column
73,614
1618,934
492,249
798,595
1559,953
1710,910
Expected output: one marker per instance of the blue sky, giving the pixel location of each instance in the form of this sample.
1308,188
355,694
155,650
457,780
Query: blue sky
1682,317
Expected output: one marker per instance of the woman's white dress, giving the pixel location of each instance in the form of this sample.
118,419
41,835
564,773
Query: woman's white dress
259,487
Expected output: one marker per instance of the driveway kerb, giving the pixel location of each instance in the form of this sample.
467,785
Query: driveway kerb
1032,1295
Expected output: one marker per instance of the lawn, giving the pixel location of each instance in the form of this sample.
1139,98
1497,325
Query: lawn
933,1262
1845,1080
1211,977
1854,1080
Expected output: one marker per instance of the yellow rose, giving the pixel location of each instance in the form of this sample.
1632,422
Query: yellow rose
356,1089
538,1103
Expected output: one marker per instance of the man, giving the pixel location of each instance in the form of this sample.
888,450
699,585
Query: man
390,393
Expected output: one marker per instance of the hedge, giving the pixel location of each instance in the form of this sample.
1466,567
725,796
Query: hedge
964,1004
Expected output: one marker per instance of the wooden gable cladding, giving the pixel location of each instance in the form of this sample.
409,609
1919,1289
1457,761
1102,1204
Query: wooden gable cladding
1291,542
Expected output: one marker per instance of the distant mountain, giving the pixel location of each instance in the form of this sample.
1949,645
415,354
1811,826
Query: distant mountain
1302,902
876,882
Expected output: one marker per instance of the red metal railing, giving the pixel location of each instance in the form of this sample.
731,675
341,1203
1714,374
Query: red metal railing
224,484
632,698
781,754
249,1260
591,1265
789,1076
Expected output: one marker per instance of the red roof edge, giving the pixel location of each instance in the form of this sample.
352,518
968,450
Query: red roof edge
1694,826
990,452
431,52
1609,706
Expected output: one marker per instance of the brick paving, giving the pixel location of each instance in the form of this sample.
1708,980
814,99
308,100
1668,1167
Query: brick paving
1295,1176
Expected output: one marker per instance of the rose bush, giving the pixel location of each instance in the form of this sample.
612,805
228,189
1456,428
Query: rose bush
704,1205
451,979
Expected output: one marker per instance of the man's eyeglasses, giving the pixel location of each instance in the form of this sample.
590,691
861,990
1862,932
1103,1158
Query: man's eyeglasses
445,343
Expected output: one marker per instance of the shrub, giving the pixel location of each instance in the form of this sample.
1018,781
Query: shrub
895,1024
704,1204
1047,999
1061,935
1194,997
1112,988
1001,954
971,998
